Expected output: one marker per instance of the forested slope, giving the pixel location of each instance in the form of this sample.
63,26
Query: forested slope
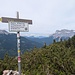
55,59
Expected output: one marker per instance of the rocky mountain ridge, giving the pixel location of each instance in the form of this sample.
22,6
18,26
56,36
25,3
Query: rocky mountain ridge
63,33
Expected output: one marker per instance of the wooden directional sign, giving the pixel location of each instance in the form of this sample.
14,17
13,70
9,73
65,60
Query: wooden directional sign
7,19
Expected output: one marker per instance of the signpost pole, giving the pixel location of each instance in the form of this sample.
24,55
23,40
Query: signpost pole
18,47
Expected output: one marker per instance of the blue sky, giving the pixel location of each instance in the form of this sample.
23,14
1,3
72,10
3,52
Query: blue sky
47,15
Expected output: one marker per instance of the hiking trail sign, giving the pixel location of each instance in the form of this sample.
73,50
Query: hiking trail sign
17,25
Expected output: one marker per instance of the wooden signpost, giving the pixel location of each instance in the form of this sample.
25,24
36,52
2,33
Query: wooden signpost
17,25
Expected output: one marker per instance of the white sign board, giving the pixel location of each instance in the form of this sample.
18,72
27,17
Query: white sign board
18,26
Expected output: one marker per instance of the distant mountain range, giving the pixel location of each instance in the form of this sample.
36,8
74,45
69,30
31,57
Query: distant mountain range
63,34
47,40
8,44
8,41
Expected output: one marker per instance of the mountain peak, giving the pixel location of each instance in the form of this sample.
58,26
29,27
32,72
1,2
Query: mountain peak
64,33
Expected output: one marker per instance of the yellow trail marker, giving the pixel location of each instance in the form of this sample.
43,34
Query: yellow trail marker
0,19
18,51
